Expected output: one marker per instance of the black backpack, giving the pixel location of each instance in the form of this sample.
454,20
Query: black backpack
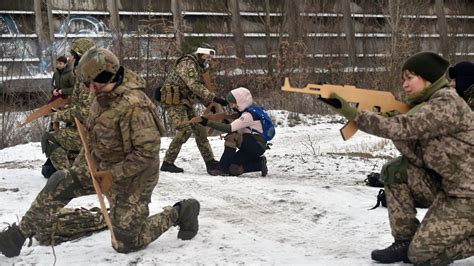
373,180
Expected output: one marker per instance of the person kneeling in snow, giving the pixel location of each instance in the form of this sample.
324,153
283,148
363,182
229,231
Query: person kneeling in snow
435,170
245,142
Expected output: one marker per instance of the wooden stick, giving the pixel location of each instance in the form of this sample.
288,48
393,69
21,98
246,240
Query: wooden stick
93,169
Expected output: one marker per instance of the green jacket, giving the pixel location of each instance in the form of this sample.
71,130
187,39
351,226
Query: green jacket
64,80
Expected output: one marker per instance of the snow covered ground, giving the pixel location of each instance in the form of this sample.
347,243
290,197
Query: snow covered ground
312,208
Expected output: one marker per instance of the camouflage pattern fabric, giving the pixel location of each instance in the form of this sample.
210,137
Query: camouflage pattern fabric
125,140
439,136
81,45
178,114
421,187
438,141
469,96
68,138
187,77
68,143
64,80
433,243
61,188
69,224
79,106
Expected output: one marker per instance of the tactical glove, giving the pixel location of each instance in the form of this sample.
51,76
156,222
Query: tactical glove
220,101
203,121
341,106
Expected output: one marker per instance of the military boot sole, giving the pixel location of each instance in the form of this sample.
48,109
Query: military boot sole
387,258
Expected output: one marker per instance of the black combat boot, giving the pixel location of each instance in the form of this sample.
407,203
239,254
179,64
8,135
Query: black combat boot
396,252
11,241
211,165
188,211
48,169
170,167
256,166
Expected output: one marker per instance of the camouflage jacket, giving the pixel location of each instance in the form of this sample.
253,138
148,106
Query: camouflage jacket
124,135
79,106
64,80
187,75
469,96
438,136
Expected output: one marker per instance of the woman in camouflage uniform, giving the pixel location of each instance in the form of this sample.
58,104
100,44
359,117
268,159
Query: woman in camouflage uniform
436,140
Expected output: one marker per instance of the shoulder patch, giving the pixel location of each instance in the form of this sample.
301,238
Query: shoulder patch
191,72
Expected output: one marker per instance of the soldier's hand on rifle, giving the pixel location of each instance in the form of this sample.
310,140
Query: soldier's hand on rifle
340,106
55,92
105,180
203,121
220,101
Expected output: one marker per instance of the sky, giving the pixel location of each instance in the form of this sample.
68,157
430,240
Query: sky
311,208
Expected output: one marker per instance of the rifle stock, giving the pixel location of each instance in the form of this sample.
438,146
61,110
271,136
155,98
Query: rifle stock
44,110
365,99
93,169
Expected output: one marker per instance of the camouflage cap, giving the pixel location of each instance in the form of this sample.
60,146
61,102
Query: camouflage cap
96,61
81,45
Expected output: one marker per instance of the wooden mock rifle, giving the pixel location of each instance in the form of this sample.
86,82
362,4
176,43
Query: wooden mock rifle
365,99
93,170
45,110
215,117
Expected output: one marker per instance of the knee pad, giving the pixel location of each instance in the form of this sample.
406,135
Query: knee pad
395,171
54,180
48,169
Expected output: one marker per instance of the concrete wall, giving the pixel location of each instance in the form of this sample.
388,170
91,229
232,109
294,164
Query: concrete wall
320,27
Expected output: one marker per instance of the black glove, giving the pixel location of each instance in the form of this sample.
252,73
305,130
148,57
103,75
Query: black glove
220,101
341,106
332,102
203,121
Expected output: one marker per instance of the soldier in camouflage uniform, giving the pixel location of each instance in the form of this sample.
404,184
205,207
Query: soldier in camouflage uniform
124,138
62,146
183,87
436,140
462,78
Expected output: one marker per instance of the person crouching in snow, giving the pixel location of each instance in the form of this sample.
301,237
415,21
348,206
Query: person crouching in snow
245,142
435,170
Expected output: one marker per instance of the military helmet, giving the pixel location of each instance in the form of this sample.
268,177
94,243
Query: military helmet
99,65
81,45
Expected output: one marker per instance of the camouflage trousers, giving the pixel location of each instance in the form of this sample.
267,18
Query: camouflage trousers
431,241
177,115
133,228
67,143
